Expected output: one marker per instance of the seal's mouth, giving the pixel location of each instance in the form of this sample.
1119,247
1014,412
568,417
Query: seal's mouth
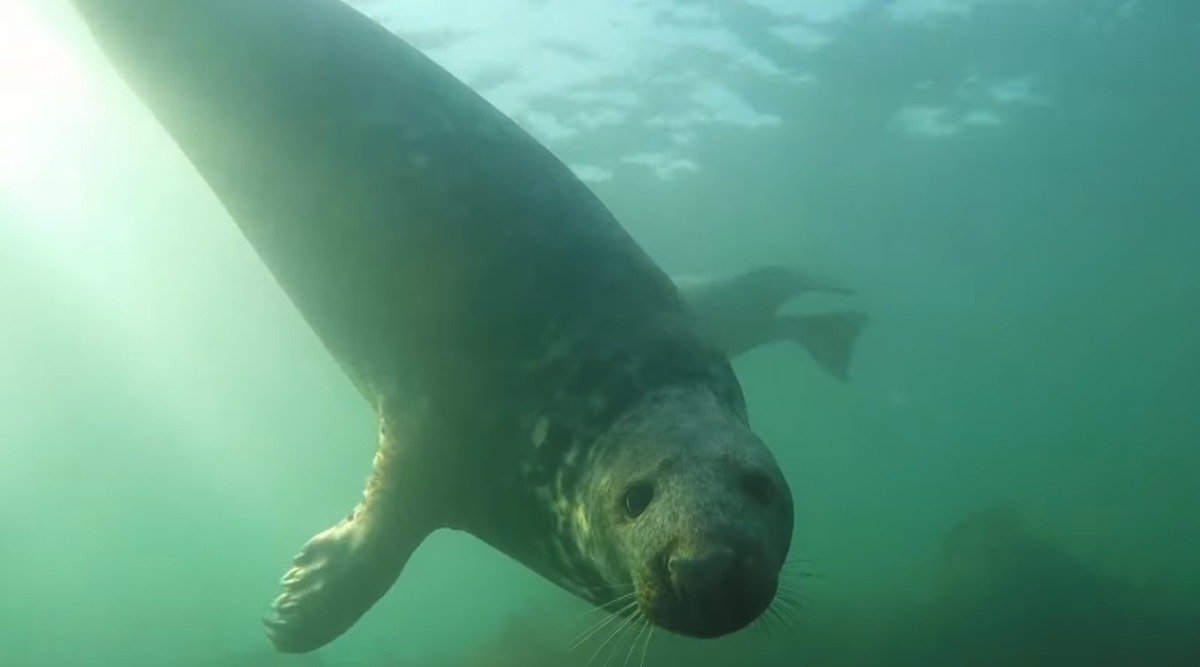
708,593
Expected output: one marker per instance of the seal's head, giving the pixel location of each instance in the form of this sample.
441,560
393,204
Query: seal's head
683,501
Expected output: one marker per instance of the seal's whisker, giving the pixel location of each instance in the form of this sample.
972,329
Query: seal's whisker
792,600
611,635
786,599
800,574
619,598
793,561
636,638
611,587
607,606
785,618
791,567
601,624
638,622
768,619
763,623
598,626
789,591
786,612
646,646
626,628
626,602
782,596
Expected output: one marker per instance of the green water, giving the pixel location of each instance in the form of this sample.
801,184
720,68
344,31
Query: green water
171,432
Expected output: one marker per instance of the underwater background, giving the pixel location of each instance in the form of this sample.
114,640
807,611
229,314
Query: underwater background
1010,477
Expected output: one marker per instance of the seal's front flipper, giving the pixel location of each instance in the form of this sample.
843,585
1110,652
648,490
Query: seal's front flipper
342,572
828,337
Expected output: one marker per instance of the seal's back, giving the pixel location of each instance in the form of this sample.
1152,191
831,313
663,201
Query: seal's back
420,231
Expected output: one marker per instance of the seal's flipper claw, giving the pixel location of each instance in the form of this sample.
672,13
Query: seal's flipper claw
828,337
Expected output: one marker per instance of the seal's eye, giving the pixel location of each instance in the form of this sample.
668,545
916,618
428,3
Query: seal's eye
637,498
758,486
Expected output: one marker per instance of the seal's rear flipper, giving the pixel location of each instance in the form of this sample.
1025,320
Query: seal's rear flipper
342,572
828,337
775,284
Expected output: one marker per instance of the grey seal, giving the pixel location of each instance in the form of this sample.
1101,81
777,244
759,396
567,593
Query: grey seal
538,380
741,312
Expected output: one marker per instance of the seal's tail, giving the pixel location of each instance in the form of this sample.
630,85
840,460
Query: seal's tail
774,284
829,338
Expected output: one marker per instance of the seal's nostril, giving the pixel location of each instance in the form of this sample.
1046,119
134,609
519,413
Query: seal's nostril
697,572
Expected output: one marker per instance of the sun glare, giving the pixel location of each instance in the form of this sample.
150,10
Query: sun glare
92,189
43,97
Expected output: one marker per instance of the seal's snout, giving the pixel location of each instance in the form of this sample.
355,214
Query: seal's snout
726,588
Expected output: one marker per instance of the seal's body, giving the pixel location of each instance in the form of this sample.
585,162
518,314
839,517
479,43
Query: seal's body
538,380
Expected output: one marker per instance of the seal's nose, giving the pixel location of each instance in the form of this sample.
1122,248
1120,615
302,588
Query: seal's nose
698,573
722,588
